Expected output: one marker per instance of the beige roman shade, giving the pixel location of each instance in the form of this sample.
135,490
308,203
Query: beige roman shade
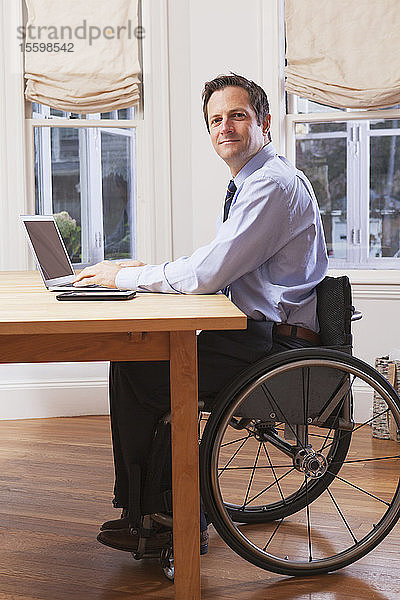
83,54
344,53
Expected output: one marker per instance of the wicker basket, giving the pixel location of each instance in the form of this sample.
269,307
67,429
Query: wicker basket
383,426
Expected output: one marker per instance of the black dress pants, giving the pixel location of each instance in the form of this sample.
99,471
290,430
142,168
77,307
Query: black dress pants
140,391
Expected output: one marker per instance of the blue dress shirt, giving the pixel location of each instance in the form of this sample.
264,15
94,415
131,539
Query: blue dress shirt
271,249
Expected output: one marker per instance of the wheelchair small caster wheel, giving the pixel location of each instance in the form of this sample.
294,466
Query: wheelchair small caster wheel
167,563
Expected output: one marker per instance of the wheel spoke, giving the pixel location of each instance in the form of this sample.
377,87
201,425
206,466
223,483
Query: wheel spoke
252,475
252,467
305,376
317,435
369,421
270,486
360,426
233,456
235,441
272,534
308,522
273,471
359,489
342,515
362,460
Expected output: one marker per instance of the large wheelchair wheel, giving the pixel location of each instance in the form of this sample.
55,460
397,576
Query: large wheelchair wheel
290,480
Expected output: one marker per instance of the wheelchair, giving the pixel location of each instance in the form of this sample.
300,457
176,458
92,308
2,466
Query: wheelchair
291,477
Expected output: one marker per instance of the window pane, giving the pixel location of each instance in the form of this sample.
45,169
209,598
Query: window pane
55,112
57,179
323,160
108,115
118,192
65,178
305,106
86,177
384,212
127,113
50,112
122,113
385,124
315,130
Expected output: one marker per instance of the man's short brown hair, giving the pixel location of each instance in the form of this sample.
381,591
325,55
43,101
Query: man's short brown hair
258,98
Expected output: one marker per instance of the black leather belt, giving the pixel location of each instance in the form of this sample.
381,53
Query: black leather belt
297,332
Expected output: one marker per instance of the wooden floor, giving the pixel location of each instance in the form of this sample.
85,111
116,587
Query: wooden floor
56,479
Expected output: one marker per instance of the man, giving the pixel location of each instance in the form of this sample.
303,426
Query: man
268,255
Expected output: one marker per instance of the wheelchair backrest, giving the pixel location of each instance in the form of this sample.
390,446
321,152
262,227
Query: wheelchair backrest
334,310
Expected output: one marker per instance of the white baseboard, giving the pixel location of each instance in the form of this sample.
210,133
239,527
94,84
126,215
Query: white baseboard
363,400
31,399
42,399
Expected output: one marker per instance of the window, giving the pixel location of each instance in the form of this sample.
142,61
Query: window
85,174
149,186
352,159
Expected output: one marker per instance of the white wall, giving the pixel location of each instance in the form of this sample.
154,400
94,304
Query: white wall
208,38
204,39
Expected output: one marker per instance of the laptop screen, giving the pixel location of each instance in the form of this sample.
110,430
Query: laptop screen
49,249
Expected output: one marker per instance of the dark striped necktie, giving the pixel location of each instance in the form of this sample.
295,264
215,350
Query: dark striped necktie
230,192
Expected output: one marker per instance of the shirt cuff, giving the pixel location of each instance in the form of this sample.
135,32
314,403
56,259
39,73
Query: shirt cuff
127,278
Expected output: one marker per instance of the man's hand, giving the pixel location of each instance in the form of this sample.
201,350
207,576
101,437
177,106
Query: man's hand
104,273
130,263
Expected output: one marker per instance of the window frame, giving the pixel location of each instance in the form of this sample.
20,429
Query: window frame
357,203
90,128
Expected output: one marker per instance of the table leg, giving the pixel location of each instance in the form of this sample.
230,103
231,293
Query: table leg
185,465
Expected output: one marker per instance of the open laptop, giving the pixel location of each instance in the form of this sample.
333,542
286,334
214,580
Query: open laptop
51,256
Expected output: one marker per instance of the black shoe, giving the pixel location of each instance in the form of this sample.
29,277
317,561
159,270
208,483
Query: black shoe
121,523
127,540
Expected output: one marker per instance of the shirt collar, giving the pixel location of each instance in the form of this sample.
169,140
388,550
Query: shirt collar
266,153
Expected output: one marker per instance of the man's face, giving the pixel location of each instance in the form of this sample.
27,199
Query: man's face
235,133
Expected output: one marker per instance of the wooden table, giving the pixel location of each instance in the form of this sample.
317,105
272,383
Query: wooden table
35,327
